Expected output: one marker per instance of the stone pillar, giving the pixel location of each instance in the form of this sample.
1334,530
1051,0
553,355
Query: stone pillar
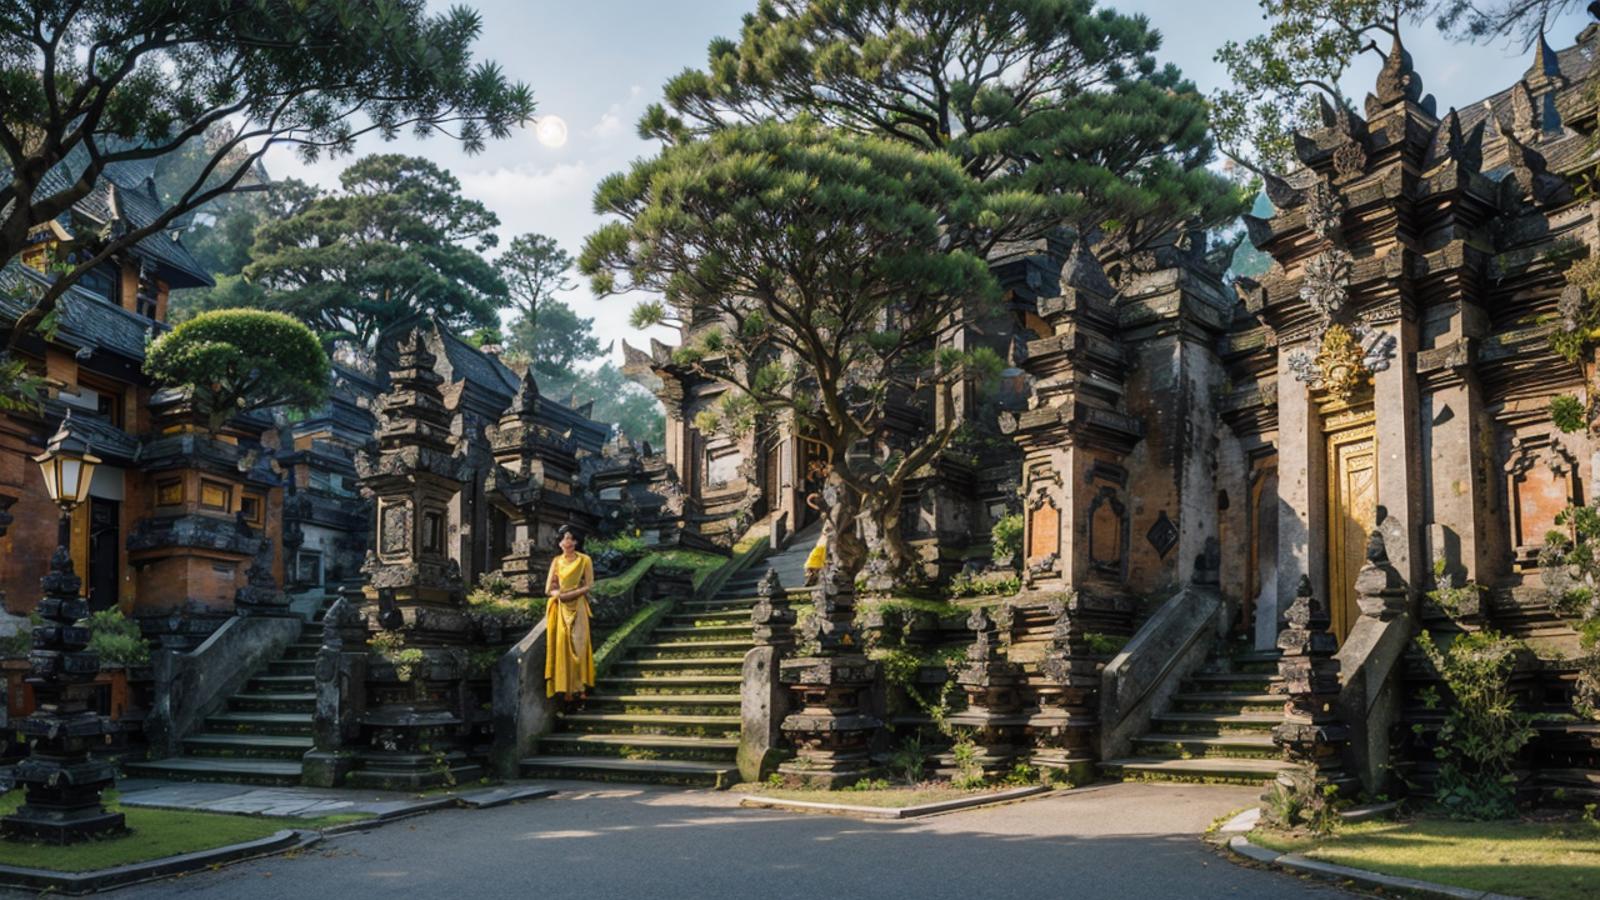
763,702
417,717
63,783
1065,727
1400,455
831,731
341,675
993,714
1302,497
1312,734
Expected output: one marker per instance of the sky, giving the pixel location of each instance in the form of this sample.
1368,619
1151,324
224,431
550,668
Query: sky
597,64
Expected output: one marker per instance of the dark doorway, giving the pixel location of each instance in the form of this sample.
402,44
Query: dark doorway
104,541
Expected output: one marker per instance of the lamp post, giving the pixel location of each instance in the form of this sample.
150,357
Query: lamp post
63,782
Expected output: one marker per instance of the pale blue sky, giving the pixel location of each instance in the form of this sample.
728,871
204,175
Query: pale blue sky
597,64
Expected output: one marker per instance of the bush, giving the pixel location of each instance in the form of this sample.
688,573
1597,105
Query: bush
1005,538
1483,731
117,639
967,584
237,360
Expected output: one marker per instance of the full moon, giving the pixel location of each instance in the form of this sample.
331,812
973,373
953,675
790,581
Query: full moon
551,131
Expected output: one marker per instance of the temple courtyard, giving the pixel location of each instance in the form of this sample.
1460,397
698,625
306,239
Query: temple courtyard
1125,840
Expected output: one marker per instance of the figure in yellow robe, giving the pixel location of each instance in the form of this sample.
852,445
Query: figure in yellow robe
569,654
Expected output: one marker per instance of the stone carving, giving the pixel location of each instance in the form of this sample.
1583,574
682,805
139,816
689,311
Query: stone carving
1065,725
1163,534
1311,734
63,782
993,715
831,730
1327,279
1380,591
1350,159
1324,211
771,619
1345,360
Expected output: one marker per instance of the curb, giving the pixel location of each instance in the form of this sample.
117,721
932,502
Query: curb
79,883
894,813
1296,864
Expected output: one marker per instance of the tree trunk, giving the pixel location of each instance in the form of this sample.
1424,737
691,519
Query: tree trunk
891,557
841,505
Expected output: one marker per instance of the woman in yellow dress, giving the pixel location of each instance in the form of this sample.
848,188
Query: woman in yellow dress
569,655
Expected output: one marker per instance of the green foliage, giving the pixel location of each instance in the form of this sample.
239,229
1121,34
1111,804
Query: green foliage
983,584
20,389
535,270
1059,110
969,774
1005,537
396,242
1568,413
238,360
20,642
220,240
555,341
1483,731
626,544
1303,805
133,81
901,669
1569,566
494,595
1454,600
391,646
867,784
909,760
1105,644
117,639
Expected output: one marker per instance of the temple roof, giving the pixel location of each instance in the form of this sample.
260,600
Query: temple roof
83,320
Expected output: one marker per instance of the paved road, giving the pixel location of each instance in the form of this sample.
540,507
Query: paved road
596,842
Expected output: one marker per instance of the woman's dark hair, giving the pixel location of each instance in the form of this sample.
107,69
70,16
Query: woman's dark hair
573,530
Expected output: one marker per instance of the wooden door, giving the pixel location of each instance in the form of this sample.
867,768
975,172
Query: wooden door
1352,513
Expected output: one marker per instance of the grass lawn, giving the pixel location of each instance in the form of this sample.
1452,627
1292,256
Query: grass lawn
155,833
887,798
1548,860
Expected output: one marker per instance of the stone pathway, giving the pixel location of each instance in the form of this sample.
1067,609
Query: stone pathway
307,803
589,841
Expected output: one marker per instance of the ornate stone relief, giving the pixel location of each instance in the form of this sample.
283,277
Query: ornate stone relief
1344,361
1327,281
1324,210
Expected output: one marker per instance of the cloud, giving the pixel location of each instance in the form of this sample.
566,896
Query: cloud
612,121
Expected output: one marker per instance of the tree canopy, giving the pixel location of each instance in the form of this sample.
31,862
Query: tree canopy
398,239
535,270
1050,99
237,360
813,264
88,84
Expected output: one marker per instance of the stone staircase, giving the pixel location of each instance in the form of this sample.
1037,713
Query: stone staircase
264,731
1218,728
668,713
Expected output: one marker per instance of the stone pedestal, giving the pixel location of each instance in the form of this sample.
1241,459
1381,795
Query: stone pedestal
763,701
831,732
63,783
993,715
1312,734
341,695
1065,726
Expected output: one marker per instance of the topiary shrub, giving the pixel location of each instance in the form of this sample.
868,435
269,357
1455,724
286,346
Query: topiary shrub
237,360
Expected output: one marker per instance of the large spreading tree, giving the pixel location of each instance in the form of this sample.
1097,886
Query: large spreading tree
1049,100
396,241
823,253
89,84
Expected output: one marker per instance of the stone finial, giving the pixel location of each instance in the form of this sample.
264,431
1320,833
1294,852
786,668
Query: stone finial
1546,62
1380,591
1064,727
1312,733
994,703
1397,80
771,619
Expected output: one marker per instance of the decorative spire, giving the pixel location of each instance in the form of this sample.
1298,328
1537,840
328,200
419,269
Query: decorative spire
1397,80
1546,62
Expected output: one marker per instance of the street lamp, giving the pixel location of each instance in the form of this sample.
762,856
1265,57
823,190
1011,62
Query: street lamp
68,468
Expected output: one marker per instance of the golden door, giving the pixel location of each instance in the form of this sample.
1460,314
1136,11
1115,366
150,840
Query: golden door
1352,513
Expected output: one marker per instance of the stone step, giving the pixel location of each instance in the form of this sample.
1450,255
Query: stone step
731,617
250,746
301,652
1206,769
301,667
274,684
679,699
194,768
652,723
652,771
718,604
698,633
1241,681
260,723
701,665
1158,744
640,746
708,683
1213,723
300,702
693,649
